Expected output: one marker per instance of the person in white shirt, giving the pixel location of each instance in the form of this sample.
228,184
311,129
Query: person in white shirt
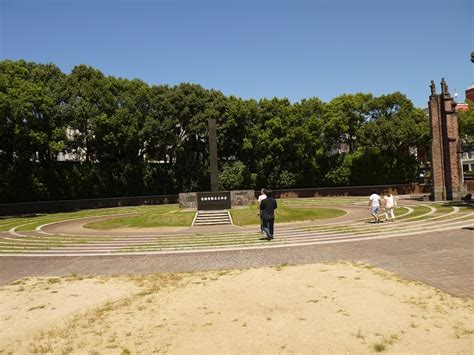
262,197
374,206
390,204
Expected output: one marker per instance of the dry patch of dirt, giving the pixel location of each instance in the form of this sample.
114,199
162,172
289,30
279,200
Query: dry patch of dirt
328,308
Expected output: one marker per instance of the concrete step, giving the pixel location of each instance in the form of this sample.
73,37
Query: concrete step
214,215
208,218
211,219
207,223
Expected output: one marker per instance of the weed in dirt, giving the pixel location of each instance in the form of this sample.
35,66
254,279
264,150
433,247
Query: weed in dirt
75,276
41,348
379,347
17,282
281,266
359,334
37,307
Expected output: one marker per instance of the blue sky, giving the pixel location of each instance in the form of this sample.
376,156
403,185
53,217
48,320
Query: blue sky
253,49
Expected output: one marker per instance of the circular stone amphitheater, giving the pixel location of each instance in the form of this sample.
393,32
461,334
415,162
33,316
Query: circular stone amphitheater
65,235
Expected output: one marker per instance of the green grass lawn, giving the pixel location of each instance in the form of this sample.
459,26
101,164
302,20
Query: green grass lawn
158,216
289,210
418,212
322,201
31,222
248,216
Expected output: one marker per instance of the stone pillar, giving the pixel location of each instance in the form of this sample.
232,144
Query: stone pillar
438,191
451,144
445,163
213,154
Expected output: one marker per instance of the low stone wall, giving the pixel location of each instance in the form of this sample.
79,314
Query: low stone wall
188,200
11,209
242,197
400,189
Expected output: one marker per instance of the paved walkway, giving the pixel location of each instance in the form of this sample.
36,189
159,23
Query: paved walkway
442,259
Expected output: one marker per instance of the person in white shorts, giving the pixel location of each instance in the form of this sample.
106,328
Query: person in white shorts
374,206
262,197
389,204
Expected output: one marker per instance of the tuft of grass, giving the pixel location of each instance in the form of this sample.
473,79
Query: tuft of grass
379,347
359,334
75,276
41,348
281,266
18,282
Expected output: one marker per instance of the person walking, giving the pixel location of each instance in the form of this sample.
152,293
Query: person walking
267,213
389,205
374,206
262,197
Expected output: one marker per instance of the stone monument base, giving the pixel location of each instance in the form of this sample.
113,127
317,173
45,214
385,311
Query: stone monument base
237,198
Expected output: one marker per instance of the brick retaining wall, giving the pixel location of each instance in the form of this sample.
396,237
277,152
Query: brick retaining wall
469,185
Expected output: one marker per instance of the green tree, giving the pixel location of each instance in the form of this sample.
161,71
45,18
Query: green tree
343,117
394,125
118,134
31,123
88,102
233,176
466,125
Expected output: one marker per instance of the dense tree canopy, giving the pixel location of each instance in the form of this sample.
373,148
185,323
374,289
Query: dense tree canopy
85,134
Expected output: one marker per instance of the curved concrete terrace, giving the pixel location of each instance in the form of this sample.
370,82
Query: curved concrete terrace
436,248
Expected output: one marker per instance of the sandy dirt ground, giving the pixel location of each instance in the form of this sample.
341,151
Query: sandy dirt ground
321,308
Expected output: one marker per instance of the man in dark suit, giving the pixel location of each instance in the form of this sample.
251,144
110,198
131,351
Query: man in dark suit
267,213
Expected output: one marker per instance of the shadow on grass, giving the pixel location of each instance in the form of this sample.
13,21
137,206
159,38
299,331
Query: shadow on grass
465,204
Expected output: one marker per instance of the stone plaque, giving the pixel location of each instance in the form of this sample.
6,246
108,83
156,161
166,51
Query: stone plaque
213,200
